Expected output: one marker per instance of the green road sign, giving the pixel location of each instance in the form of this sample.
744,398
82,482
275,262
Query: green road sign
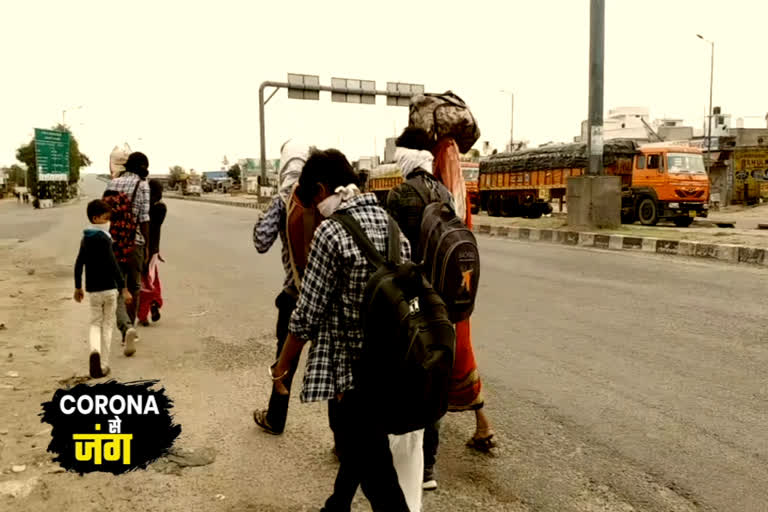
52,155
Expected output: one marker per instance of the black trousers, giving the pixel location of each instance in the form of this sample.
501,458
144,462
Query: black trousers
431,442
278,404
365,460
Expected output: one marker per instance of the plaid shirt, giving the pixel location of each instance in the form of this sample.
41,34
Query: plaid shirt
125,183
328,311
265,233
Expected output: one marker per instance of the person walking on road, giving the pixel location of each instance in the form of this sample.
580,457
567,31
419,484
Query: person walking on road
151,291
328,313
293,155
133,191
103,280
466,393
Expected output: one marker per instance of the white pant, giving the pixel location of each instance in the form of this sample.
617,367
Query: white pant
103,307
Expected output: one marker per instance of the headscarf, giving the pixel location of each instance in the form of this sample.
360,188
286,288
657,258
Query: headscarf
409,160
330,204
447,169
293,156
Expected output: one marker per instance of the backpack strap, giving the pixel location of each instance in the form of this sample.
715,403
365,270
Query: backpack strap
133,197
422,195
419,191
364,243
394,240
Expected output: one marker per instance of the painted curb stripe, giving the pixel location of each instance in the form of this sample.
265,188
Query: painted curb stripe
723,252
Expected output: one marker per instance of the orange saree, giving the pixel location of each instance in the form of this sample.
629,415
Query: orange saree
466,386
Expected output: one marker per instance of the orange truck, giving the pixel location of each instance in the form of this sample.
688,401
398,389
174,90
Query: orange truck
663,181
385,177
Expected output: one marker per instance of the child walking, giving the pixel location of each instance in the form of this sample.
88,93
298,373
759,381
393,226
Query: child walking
151,291
103,279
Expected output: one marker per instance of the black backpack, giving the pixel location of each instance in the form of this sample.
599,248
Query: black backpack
449,256
407,357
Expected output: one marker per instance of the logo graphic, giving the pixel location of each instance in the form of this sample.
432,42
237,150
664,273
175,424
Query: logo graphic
110,427
466,280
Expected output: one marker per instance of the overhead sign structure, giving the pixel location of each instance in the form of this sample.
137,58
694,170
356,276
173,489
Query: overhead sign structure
353,85
303,87
307,87
52,155
401,88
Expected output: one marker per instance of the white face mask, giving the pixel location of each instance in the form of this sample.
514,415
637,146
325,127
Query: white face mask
329,205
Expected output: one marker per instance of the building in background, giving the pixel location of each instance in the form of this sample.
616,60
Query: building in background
389,150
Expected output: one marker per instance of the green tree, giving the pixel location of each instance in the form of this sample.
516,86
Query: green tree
474,154
15,174
77,160
177,175
235,173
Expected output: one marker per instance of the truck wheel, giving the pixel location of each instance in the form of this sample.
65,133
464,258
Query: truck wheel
627,218
648,212
683,222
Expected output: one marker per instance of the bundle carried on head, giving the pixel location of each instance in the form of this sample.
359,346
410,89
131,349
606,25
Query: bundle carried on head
117,159
444,115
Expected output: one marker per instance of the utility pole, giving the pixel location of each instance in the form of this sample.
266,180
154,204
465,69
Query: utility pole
596,66
511,120
711,83
594,199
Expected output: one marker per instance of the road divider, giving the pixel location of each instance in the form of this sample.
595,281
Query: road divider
722,252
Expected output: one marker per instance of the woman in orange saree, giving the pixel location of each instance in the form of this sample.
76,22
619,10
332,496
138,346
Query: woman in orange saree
466,386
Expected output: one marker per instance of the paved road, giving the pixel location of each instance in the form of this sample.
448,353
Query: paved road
615,381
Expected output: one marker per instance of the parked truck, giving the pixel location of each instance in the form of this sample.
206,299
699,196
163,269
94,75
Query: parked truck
659,181
385,177
471,172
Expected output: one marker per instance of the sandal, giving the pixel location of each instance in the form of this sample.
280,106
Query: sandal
482,444
260,417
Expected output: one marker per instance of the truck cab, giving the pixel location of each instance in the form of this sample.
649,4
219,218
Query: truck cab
668,183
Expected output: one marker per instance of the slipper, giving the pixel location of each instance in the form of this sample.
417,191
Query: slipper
260,417
482,444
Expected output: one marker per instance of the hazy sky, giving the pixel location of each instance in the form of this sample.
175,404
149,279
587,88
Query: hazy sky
179,80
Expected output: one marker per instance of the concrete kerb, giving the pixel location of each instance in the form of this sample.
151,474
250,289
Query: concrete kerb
722,252
239,204
686,248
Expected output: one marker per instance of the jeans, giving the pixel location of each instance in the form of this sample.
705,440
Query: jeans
277,411
103,306
132,269
365,460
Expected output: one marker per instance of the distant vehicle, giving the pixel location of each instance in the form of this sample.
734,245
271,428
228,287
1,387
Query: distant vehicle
192,186
660,181
382,179
385,177
224,185
471,172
